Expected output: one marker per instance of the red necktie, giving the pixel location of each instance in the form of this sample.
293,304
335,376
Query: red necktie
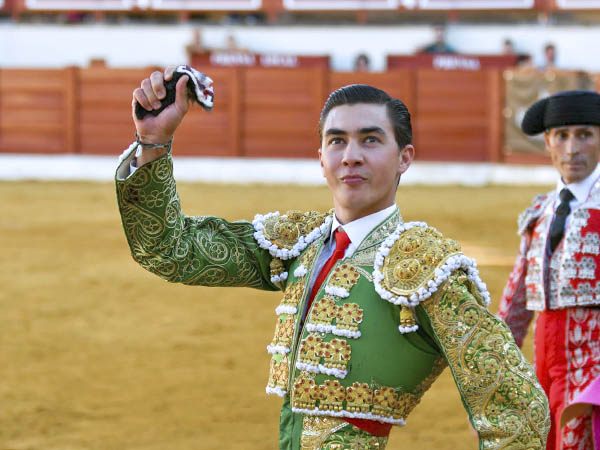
341,244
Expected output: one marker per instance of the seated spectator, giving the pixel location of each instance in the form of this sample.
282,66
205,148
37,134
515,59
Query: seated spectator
549,58
232,46
508,47
196,46
439,44
362,63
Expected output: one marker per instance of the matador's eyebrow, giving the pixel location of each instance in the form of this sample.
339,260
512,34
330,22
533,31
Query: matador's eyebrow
365,130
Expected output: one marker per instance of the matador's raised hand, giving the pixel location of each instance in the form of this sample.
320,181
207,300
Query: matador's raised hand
161,102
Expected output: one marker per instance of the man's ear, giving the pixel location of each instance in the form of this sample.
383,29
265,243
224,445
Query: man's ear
406,156
320,152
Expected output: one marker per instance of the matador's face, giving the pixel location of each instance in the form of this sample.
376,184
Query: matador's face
360,159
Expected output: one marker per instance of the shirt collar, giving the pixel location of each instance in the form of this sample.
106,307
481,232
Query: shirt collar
581,189
358,229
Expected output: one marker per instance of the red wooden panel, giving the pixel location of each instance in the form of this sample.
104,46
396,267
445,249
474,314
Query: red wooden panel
32,110
281,111
398,83
453,116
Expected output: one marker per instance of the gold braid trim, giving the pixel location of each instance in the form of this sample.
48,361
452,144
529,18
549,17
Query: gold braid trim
507,406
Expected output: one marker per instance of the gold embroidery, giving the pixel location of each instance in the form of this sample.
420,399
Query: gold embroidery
359,397
278,372
344,276
284,231
349,315
310,350
309,255
324,311
384,400
336,353
284,331
507,405
407,317
292,295
305,392
182,249
331,395
277,267
316,429
413,258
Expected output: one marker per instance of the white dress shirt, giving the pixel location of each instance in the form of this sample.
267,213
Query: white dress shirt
580,190
357,231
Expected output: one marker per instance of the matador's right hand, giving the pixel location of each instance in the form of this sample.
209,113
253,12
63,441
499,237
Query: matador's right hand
159,129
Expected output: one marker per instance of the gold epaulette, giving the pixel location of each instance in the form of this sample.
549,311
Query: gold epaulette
413,262
285,236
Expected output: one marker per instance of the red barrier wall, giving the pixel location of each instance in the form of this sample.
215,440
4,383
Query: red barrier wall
259,112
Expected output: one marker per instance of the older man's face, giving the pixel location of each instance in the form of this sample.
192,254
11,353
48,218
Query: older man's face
574,150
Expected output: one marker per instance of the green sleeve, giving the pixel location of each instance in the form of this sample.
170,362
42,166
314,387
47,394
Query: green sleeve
205,251
497,385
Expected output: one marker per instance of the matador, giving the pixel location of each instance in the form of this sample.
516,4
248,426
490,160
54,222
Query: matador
373,307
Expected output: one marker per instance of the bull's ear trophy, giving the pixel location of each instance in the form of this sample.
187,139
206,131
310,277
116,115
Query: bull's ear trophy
199,86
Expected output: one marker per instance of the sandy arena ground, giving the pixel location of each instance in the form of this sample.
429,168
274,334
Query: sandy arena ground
96,353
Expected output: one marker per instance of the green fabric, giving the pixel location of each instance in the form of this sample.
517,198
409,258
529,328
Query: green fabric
290,427
205,251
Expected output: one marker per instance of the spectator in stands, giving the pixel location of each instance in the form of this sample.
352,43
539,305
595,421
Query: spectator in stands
232,46
549,57
362,63
373,307
196,46
439,45
508,47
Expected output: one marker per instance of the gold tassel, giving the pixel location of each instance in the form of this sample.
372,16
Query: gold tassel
407,317
277,267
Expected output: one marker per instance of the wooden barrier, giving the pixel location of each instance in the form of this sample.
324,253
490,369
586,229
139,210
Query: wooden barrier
259,112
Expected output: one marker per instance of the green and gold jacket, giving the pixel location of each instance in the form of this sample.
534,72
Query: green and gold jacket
382,327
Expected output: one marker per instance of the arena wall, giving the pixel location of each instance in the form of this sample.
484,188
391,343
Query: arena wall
258,112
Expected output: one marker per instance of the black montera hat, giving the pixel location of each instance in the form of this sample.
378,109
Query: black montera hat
561,109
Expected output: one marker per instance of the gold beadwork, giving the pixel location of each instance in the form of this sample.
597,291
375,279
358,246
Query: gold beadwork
305,392
292,295
332,395
284,231
349,315
413,258
407,317
284,331
278,372
310,349
336,353
384,400
324,311
344,276
359,397
277,267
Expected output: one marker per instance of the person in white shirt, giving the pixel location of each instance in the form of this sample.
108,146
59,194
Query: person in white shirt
373,307
557,270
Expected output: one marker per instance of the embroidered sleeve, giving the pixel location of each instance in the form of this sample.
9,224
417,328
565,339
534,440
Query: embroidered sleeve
192,250
513,302
498,387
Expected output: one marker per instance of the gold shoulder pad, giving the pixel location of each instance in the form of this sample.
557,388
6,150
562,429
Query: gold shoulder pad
413,259
285,236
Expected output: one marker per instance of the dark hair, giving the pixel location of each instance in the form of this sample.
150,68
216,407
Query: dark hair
362,93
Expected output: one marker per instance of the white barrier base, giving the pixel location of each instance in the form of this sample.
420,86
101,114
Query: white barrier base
268,171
